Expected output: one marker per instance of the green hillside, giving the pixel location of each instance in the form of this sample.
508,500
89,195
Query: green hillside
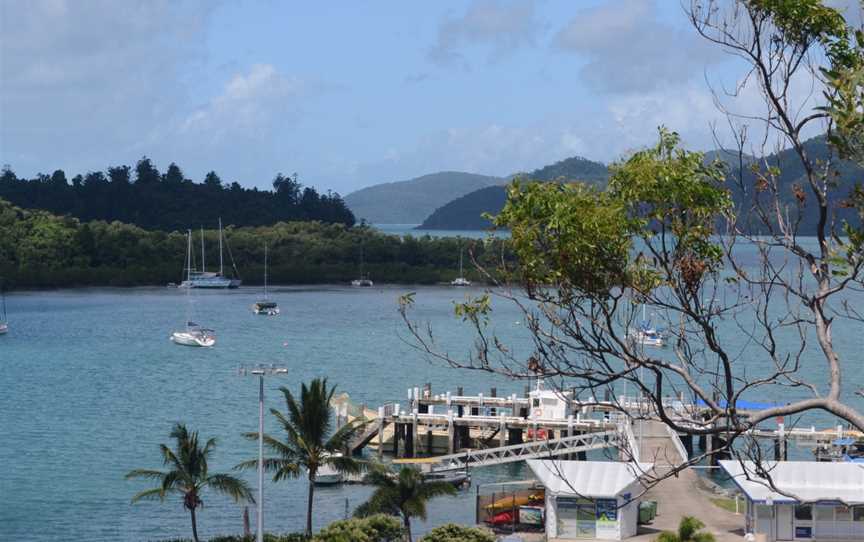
409,202
465,213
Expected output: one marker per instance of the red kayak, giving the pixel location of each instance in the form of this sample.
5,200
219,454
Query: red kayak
504,518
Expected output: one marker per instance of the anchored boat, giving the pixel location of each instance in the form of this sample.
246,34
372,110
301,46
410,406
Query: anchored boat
460,280
193,334
212,279
4,321
265,307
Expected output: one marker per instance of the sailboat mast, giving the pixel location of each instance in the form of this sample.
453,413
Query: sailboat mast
221,273
460,261
188,275
202,250
265,271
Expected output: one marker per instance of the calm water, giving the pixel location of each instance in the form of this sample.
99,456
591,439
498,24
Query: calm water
91,385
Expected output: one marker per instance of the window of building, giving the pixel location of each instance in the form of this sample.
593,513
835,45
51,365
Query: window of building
824,513
803,512
858,513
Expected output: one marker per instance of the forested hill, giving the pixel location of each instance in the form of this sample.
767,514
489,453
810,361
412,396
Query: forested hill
168,201
41,250
465,213
411,201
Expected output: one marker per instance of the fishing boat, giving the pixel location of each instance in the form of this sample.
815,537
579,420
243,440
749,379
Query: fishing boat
212,279
364,281
646,334
4,320
265,307
193,334
460,280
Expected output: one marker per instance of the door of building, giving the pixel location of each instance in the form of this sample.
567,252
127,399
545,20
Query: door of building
784,528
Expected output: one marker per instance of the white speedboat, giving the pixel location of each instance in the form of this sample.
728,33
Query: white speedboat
265,307
194,335
4,328
460,280
211,279
362,283
327,475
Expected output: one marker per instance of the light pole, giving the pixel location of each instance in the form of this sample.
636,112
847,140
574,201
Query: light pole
261,371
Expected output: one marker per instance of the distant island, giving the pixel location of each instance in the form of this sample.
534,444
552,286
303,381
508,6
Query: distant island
411,201
466,212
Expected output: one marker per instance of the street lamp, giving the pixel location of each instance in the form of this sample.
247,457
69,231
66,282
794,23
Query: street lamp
261,371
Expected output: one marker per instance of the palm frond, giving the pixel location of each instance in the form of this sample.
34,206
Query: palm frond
234,487
345,464
149,495
145,473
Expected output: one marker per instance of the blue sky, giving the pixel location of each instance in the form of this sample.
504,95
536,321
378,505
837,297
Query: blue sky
346,94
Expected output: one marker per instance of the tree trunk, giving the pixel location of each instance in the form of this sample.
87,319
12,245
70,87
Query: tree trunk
407,522
309,503
194,525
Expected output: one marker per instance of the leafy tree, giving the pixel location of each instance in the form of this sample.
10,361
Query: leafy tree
174,175
377,528
404,494
458,533
310,441
188,474
146,172
688,531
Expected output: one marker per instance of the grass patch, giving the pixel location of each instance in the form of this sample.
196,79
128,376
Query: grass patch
727,504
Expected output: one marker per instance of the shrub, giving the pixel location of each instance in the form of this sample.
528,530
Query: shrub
377,528
458,533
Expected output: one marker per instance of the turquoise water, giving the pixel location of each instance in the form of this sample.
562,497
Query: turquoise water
92,385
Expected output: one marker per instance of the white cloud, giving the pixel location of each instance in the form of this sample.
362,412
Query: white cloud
499,27
628,48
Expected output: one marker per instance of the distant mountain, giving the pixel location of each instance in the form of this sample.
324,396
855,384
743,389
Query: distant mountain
465,213
409,202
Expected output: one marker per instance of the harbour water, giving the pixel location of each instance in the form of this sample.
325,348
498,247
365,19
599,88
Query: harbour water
91,385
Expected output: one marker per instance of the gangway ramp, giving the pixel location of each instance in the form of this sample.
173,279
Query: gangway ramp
537,449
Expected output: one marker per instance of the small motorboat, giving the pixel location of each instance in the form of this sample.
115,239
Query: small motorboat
362,283
458,478
194,335
327,475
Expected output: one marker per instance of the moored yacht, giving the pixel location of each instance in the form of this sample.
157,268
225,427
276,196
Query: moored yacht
211,279
4,321
460,280
265,307
193,334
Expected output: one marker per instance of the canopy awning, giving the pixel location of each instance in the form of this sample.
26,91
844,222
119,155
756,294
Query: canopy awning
800,481
603,479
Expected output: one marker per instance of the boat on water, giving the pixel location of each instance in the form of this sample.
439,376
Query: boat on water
460,280
646,334
193,334
212,279
364,281
457,478
327,475
265,306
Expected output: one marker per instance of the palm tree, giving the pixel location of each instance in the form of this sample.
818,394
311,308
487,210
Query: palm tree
404,494
688,531
188,474
310,442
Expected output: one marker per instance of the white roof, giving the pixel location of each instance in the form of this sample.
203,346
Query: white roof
587,478
800,481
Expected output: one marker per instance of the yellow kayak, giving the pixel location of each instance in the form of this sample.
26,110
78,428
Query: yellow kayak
508,503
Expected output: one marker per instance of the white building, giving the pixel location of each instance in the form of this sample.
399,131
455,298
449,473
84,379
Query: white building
548,404
590,499
809,500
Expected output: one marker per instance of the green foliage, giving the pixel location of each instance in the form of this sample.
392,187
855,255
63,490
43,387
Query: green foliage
170,201
579,238
377,528
689,530
38,249
188,475
311,442
405,494
458,533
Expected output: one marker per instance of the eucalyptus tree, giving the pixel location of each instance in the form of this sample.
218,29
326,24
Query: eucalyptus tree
188,475
715,249
311,441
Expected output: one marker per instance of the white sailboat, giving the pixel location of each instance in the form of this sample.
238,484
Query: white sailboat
646,334
460,280
4,320
193,334
364,281
265,307
205,279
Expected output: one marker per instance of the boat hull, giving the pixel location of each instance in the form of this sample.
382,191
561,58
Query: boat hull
185,338
4,328
362,283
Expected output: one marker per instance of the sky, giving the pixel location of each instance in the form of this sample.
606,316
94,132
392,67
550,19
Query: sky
347,94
